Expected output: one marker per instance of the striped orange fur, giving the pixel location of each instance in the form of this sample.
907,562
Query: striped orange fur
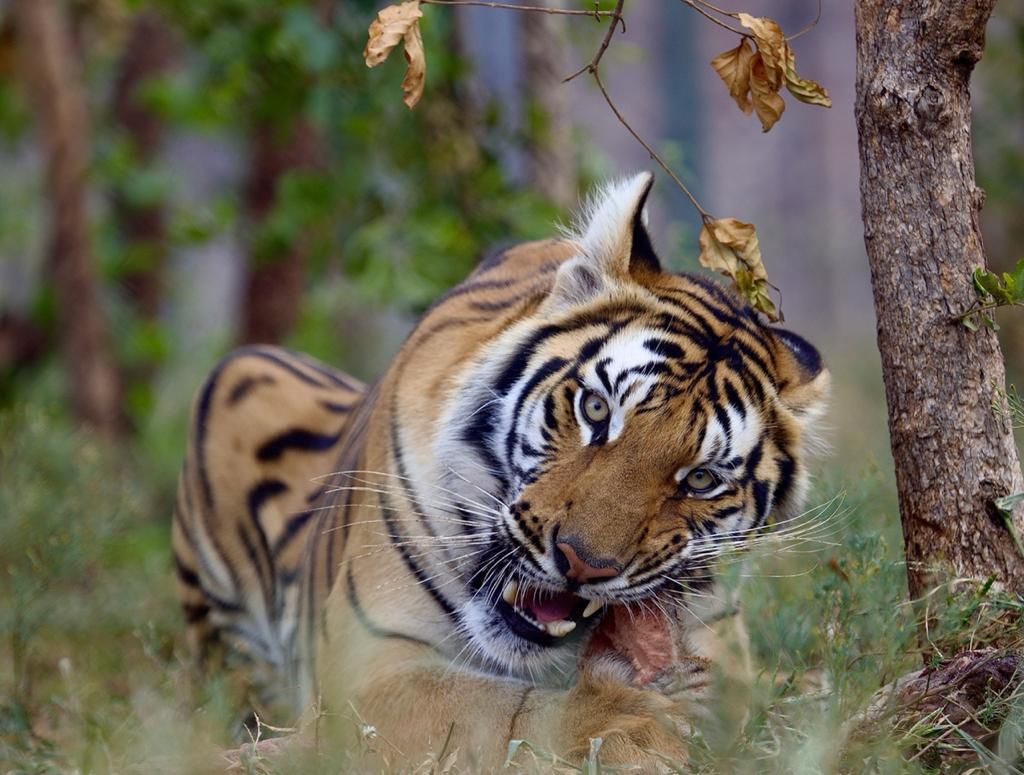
570,429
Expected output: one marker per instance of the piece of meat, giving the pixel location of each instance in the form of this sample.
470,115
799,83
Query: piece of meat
644,638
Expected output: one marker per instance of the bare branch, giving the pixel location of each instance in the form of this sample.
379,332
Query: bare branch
809,26
594,14
699,8
653,154
616,17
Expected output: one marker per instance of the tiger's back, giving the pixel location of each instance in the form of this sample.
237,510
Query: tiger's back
266,425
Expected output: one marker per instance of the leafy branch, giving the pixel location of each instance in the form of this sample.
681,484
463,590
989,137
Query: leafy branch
754,75
993,291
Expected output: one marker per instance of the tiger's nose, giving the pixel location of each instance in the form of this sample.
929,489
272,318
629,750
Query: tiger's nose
579,569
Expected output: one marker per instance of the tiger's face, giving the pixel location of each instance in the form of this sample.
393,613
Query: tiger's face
638,427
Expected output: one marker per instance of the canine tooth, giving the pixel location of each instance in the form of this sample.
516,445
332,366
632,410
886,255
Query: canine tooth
560,628
592,608
510,592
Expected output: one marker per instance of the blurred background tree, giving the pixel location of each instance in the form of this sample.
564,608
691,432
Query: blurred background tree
243,177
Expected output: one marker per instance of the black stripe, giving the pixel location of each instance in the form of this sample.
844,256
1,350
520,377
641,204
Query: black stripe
664,347
734,399
291,529
371,627
550,367
397,539
195,612
297,438
334,376
246,385
257,561
336,407
760,491
518,711
258,495
479,434
787,475
186,574
398,453
493,258
754,460
273,355
202,416
601,369
499,304
264,489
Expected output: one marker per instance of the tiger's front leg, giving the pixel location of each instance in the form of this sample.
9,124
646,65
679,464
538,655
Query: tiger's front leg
419,704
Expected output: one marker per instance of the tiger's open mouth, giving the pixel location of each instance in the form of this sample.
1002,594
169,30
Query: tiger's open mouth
541,616
642,636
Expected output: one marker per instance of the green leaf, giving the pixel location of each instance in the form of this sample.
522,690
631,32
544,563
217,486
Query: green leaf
1007,502
1004,506
979,287
969,324
513,749
1017,274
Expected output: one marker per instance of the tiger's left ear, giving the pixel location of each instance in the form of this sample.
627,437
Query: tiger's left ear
615,245
803,381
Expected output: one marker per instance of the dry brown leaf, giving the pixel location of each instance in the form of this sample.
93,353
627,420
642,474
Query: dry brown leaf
389,29
416,72
730,246
804,89
765,95
395,24
771,44
733,67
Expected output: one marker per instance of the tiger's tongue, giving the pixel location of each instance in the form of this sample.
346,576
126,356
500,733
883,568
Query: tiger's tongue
552,608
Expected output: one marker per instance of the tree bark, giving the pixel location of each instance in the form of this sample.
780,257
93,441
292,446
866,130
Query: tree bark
551,162
150,50
52,76
952,451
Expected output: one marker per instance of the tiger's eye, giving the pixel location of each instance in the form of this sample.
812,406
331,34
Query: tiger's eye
595,408
700,480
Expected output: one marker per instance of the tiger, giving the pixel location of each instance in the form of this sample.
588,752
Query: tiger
565,442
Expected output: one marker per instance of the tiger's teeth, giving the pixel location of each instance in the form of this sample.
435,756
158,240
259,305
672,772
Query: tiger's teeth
510,592
592,608
560,628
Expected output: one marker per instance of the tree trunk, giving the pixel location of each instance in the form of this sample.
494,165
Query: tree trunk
274,286
952,451
551,162
150,50
53,79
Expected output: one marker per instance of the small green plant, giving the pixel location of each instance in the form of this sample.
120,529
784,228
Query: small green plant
994,290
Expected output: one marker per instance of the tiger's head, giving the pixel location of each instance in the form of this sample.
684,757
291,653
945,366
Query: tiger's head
634,427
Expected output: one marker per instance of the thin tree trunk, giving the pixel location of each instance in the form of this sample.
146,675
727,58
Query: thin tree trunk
53,78
274,286
150,50
953,453
273,292
551,162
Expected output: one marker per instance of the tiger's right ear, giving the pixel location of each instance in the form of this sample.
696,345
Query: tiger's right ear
803,381
614,244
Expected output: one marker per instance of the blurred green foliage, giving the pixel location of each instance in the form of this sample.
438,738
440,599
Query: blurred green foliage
398,207
405,201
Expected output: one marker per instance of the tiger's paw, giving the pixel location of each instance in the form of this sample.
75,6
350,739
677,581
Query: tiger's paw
641,727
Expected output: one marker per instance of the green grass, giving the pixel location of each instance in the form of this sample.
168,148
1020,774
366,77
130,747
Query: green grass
93,676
